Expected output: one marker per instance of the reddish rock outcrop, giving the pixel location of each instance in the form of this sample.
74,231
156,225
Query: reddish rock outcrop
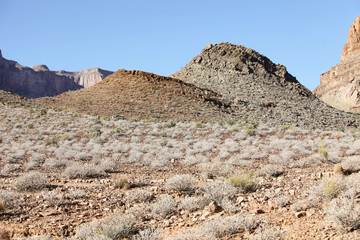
340,86
353,45
39,81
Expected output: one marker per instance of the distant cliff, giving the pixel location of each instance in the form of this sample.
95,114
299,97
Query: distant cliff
340,86
39,81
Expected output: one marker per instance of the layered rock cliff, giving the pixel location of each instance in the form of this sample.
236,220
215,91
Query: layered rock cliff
340,86
259,89
39,81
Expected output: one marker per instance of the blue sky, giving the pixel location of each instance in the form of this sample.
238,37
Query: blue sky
162,36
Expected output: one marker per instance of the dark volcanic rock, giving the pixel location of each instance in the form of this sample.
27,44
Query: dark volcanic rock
39,81
258,88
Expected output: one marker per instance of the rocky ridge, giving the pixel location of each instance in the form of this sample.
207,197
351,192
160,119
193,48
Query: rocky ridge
39,81
339,87
259,89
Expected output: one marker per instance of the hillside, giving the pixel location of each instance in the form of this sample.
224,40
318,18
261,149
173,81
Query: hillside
258,88
141,95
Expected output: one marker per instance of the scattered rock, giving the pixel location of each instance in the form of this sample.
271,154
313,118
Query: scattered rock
300,214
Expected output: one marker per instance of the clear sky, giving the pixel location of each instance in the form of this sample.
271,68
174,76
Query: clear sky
162,36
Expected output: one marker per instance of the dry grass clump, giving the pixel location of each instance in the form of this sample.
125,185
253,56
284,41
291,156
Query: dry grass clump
181,183
121,181
244,181
31,181
332,187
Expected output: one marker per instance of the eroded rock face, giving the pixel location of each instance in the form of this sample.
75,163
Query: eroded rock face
39,81
259,89
340,86
353,45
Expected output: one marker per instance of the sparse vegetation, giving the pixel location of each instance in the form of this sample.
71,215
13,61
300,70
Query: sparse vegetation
31,181
181,183
244,181
164,206
121,181
345,212
171,176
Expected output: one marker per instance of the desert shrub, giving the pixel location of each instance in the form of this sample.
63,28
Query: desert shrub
31,181
108,165
192,204
217,191
53,163
9,168
170,123
54,141
121,181
215,169
9,199
149,234
138,196
345,212
271,170
351,164
76,194
244,181
113,227
164,206
53,198
86,170
266,233
223,226
181,183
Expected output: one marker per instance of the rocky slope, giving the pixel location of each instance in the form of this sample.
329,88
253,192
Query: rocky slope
259,89
39,81
142,95
340,85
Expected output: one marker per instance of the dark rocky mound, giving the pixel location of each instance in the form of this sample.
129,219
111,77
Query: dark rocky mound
142,95
258,89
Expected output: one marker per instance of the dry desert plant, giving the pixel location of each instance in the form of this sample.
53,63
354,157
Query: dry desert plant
31,181
164,206
181,183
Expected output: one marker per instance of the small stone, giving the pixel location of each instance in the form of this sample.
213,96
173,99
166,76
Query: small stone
292,192
259,211
240,199
214,207
300,214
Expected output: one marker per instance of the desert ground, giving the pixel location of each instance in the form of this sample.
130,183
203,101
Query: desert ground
65,175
